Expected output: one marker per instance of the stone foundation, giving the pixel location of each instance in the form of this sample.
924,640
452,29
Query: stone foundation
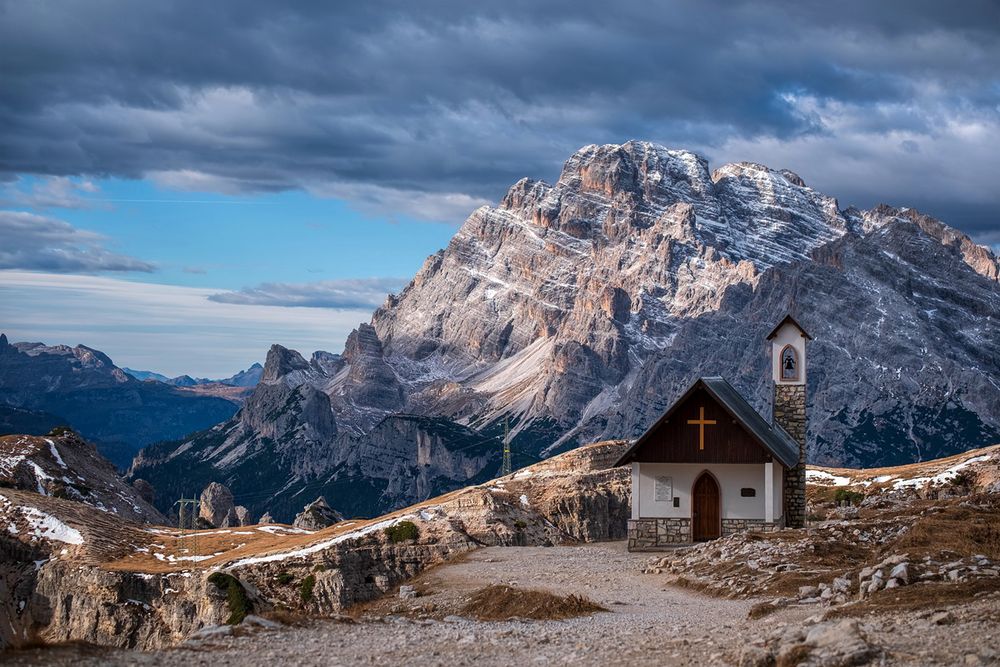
658,534
653,534
731,526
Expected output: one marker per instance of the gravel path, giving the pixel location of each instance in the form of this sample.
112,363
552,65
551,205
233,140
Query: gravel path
648,624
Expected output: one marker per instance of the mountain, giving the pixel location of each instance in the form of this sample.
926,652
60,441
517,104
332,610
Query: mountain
62,465
248,378
99,400
284,448
580,310
146,375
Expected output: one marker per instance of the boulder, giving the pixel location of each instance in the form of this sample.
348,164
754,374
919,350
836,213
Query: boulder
317,515
216,506
242,516
266,518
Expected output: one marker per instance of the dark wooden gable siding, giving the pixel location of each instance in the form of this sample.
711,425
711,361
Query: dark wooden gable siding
676,441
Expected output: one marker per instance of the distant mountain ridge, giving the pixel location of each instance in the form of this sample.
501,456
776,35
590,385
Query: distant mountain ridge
82,388
247,378
578,311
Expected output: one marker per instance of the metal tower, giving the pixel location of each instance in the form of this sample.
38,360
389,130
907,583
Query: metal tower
505,467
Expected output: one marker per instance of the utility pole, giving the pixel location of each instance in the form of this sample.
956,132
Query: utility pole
192,504
505,467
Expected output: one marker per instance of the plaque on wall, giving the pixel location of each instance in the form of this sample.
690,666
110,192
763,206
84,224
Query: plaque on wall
664,489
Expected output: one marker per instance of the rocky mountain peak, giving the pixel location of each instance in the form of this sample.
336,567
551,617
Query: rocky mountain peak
578,310
281,362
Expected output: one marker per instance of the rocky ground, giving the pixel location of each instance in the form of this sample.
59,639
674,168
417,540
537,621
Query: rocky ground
648,622
897,566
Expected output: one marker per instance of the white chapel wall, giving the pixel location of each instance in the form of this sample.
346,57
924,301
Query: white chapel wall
731,478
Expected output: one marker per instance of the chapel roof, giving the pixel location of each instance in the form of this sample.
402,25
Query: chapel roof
771,437
789,320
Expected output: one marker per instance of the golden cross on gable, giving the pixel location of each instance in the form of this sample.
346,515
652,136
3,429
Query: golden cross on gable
701,422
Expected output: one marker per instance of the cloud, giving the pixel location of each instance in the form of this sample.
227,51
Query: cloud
40,243
51,192
360,293
172,329
424,110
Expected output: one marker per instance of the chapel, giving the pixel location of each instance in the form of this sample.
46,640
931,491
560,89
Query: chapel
712,465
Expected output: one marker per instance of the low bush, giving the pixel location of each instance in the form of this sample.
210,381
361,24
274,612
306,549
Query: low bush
236,596
284,578
402,531
306,588
848,496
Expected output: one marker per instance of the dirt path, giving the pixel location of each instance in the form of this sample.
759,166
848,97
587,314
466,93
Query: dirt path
649,623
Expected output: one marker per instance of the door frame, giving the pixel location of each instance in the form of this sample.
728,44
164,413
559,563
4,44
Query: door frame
694,501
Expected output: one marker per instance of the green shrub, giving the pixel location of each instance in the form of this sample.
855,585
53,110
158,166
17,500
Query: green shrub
306,588
963,479
284,578
846,495
520,525
236,596
402,531
319,567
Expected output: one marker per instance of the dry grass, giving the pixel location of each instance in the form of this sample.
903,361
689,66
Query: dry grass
922,596
501,603
957,530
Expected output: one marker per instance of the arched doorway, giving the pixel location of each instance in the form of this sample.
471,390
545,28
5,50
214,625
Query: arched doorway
705,510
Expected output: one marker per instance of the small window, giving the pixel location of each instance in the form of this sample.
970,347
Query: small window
789,363
677,501
748,493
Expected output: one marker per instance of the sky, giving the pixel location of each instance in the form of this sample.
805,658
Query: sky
183,184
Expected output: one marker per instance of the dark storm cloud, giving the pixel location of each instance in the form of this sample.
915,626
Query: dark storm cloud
448,103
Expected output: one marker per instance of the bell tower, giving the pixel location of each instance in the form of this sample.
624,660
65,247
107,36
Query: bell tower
788,373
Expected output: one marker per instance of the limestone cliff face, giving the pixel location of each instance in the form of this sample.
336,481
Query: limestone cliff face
71,572
579,310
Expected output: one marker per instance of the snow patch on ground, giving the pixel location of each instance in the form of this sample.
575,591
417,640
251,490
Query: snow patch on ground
42,526
283,530
942,477
55,453
826,479
325,544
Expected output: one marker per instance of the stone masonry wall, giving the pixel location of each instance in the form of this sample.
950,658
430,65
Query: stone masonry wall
653,534
790,414
731,526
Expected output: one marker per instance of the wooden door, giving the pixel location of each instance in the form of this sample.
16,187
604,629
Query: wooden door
705,520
